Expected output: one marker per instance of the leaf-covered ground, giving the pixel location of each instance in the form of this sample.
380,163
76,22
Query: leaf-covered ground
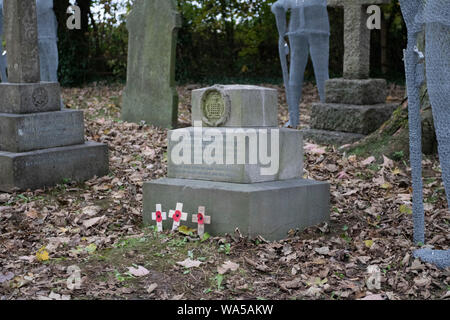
96,227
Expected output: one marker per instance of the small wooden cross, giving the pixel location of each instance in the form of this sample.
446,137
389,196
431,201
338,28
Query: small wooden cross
201,219
159,216
177,215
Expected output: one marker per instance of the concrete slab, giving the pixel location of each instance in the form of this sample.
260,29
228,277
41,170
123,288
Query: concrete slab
22,98
269,209
34,131
37,169
286,160
331,137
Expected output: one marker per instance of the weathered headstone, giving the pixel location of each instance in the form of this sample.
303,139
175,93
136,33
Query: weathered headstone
150,94
355,105
40,145
237,163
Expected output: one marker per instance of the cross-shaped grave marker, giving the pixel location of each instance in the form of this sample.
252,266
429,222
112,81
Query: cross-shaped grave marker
159,216
177,215
201,219
356,36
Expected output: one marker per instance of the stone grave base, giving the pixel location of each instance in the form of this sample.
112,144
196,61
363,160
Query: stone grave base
30,97
269,209
40,168
331,137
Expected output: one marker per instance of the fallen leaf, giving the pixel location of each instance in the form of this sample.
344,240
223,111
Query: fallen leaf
189,263
227,266
140,271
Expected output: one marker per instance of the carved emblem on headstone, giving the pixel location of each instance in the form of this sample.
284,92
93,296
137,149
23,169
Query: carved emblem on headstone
39,97
216,107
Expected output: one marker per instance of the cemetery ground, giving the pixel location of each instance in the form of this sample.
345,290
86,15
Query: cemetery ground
97,226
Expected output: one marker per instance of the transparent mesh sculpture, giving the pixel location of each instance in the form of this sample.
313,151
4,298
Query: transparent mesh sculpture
433,16
2,55
48,40
308,33
47,37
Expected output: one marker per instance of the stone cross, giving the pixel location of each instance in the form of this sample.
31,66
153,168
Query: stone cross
356,36
201,219
159,216
177,215
21,32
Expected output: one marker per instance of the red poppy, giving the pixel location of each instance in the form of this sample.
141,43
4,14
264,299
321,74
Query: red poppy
158,216
177,216
200,218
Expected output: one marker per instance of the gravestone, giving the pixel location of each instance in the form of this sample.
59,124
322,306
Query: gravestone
47,39
40,145
240,166
150,94
355,105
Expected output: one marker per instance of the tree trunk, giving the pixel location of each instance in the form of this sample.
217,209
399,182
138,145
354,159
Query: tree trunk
392,138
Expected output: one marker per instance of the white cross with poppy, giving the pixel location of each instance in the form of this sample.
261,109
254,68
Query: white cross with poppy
177,215
201,219
159,216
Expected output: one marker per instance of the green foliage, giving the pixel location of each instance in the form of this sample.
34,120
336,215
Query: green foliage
219,41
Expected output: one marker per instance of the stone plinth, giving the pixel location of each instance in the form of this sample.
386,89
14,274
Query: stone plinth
251,106
245,170
356,91
350,118
29,97
47,167
288,157
21,133
269,209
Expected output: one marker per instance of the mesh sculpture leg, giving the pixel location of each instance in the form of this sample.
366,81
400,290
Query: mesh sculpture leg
49,60
438,73
299,59
320,52
2,64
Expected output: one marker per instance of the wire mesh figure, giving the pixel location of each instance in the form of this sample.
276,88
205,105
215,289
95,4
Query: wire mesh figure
3,77
48,40
308,33
434,17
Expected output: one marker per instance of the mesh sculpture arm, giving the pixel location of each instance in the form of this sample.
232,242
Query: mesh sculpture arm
278,8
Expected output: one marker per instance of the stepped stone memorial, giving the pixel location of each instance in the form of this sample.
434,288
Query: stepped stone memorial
355,105
150,94
240,166
40,145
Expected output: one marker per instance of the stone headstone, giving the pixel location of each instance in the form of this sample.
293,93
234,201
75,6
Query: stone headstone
150,94
40,145
237,163
355,105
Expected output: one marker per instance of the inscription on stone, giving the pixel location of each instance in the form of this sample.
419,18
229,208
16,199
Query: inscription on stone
40,97
215,107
